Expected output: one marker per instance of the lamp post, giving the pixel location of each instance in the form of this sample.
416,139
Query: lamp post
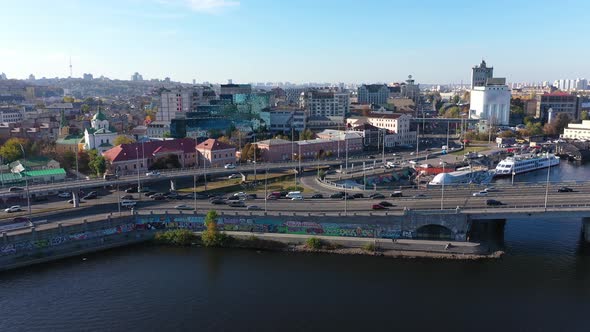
442,194
513,174
265,188
138,179
26,181
547,185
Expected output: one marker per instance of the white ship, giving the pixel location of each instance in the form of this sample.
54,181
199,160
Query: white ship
526,163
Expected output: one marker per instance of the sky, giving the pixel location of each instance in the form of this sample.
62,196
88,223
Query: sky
351,41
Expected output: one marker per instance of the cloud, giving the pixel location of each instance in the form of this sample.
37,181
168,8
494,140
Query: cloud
203,6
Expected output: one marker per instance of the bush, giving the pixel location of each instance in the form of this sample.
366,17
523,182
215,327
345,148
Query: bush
177,237
314,243
369,246
211,237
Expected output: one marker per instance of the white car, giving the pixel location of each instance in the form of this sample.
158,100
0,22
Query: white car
14,208
183,207
480,194
152,173
234,176
229,166
490,189
64,195
297,198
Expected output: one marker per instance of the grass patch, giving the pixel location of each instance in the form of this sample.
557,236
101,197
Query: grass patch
469,149
314,243
369,246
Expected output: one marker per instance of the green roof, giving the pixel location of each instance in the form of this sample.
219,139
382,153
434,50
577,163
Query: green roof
10,177
69,140
99,116
32,162
45,172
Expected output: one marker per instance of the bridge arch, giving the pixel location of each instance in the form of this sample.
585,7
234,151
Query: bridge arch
434,232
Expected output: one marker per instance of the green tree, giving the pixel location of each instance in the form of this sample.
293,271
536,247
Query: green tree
306,134
97,163
455,99
67,159
452,112
166,135
123,139
211,237
11,149
584,115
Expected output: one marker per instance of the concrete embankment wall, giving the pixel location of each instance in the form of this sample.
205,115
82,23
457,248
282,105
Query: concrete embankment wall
63,241
42,246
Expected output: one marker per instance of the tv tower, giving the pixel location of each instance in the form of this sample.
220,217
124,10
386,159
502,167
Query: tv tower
71,67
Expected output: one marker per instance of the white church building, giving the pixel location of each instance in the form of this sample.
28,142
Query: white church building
99,136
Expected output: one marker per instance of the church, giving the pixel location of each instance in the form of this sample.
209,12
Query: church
99,136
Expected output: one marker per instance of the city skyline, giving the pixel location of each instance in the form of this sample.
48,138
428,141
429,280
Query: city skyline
258,41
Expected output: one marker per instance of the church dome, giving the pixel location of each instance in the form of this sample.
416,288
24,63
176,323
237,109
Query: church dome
99,116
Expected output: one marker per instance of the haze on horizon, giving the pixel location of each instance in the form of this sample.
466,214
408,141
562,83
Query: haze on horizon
297,41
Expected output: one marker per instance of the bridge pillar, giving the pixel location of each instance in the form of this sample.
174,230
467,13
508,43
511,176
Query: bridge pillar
76,198
586,229
4,238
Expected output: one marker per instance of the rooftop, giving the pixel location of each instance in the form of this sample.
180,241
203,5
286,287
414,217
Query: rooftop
214,145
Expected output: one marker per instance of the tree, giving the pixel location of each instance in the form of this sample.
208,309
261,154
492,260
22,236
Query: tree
211,237
67,159
11,150
166,135
452,112
248,152
225,139
306,134
97,163
507,133
466,96
455,99
68,99
123,139
83,161
584,116
85,108
557,125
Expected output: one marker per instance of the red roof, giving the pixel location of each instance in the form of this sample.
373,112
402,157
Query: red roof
214,145
125,152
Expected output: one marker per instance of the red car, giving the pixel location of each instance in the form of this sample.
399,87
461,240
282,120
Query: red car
379,207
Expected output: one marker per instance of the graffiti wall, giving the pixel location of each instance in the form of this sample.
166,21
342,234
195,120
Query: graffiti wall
271,225
25,246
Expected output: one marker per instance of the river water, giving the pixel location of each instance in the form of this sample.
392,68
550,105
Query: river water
542,284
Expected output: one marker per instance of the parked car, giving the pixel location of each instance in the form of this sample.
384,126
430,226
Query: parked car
183,207
14,208
385,203
229,166
480,194
565,190
358,195
378,196
396,194
127,197
152,173
65,194
493,202
253,207
378,207
316,196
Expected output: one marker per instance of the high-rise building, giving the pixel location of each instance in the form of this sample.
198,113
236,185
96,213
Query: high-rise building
373,94
233,89
136,77
480,74
175,103
325,103
87,77
3,76
410,89
558,102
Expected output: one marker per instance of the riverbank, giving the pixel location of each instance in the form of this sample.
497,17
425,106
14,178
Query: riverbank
408,249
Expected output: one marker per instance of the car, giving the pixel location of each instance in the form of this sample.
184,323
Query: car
412,153
347,197
145,189
154,195
565,190
316,196
240,194
272,197
21,219
371,157
378,207
378,196
159,198
218,201
358,195
385,203
396,194
131,190
337,195
14,208
490,189
127,197
229,166
234,198
297,198
237,204
253,207
234,176
480,194
91,195
493,202
150,193
152,173
251,196
65,194
14,189
374,194
183,207
420,196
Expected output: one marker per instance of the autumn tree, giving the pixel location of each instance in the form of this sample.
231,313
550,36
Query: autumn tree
11,150
123,139
556,126
306,135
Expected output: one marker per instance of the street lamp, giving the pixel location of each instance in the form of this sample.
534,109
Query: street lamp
442,195
26,180
265,188
138,179
547,186
513,174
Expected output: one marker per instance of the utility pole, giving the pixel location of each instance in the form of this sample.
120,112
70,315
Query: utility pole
26,180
